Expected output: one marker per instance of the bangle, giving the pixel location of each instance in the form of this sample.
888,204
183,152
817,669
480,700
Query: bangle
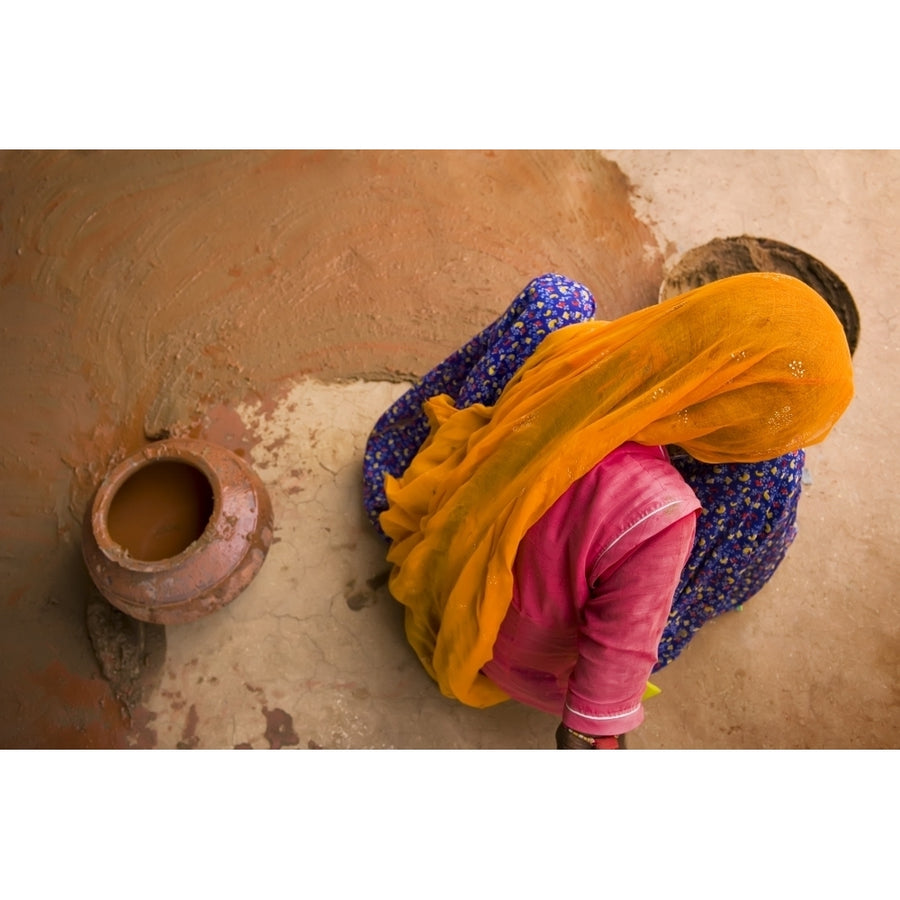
598,742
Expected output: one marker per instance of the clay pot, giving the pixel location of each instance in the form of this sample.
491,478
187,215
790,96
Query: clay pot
177,531
723,257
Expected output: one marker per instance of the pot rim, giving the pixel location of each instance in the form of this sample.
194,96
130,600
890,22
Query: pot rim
188,452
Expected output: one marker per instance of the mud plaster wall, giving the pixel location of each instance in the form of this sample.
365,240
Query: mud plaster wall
149,292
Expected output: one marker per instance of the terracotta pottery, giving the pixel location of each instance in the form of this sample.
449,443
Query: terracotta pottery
177,531
723,257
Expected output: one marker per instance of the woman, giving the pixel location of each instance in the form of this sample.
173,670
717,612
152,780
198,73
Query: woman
545,544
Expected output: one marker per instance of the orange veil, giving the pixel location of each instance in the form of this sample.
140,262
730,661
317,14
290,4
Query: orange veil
739,370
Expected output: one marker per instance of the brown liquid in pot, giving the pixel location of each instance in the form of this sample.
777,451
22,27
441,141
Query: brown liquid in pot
160,510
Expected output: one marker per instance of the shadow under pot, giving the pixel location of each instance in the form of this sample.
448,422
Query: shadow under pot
177,531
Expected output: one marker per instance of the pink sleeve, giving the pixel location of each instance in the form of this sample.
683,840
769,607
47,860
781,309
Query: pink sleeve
621,625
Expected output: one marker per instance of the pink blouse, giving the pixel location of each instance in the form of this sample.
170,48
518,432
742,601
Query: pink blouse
594,582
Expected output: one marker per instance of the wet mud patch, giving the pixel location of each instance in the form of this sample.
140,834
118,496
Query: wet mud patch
279,729
279,724
189,739
360,599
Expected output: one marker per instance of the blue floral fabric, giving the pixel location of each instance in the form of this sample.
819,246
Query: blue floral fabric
748,509
476,373
747,523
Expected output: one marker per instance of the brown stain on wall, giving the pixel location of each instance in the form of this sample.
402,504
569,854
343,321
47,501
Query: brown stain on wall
142,291
279,728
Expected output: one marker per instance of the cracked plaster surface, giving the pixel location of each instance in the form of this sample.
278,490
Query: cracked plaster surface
310,635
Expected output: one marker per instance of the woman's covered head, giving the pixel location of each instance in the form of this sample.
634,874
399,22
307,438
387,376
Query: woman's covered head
769,369
739,370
